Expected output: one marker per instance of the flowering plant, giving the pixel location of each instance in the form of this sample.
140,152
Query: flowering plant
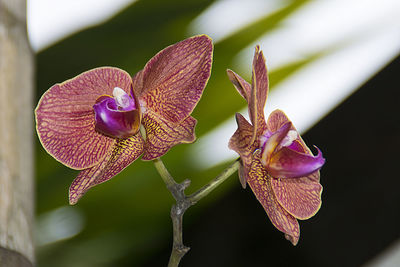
103,120
91,122
276,163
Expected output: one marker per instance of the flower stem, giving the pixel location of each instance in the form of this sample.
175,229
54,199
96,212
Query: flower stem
170,182
205,190
183,202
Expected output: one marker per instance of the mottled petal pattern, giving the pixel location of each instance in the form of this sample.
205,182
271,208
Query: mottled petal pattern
276,120
259,93
65,117
241,85
301,197
173,81
124,153
280,169
260,184
91,122
162,135
239,142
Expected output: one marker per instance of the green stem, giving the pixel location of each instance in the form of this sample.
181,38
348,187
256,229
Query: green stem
205,190
183,202
170,182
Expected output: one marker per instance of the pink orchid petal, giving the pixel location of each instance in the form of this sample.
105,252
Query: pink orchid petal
260,184
123,154
301,197
173,81
287,163
273,142
259,93
65,117
240,142
276,120
162,135
243,87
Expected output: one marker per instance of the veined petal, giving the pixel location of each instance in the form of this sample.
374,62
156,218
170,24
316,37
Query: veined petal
241,85
65,120
276,120
162,135
287,163
123,154
301,197
260,184
259,93
173,81
240,143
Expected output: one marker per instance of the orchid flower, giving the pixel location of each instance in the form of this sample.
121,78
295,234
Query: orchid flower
275,162
91,122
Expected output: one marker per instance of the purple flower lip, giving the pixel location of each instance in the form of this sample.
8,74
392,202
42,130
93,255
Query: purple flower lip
293,164
118,116
284,157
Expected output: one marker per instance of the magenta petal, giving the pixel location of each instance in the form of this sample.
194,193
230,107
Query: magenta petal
260,184
162,135
173,81
241,85
301,197
241,143
123,154
287,163
65,117
276,119
114,122
259,93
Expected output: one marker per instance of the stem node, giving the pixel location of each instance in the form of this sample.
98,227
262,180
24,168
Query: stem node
183,202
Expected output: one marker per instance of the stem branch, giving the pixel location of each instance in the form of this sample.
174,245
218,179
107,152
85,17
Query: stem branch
205,190
183,202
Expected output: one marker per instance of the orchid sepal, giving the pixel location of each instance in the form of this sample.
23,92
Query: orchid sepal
241,85
260,184
240,142
182,70
172,82
161,135
124,152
